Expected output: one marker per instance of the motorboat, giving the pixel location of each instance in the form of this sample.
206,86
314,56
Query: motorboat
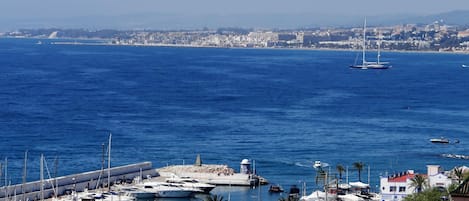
190,183
104,196
137,193
168,190
441,140
275,189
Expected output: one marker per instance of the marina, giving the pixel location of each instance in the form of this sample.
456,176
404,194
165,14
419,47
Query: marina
135,181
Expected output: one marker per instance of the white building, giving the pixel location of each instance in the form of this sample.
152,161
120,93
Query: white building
436,177
397,186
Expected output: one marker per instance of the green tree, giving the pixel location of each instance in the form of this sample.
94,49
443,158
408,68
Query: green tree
459,174
341,170
427,195
215,197
359,166
418,182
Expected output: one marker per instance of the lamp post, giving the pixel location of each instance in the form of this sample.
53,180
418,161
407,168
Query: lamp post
74,184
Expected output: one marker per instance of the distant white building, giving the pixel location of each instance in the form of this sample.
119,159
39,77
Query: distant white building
397,186
437,178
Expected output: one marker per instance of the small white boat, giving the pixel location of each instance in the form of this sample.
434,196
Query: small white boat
441,140
104,196
465,66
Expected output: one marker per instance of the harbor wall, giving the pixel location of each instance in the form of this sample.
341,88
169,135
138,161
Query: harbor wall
77,182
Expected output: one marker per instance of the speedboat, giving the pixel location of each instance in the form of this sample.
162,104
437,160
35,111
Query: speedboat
439,140
275,189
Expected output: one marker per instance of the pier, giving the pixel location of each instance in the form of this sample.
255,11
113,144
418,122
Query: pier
76,182
215,174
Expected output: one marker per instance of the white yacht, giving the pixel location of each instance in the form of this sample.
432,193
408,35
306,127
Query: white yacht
441,140
190,183
137,193
167,190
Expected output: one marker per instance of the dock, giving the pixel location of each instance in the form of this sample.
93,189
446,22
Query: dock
76,182
212,174
215,174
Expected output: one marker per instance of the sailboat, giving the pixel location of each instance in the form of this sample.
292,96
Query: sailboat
367,64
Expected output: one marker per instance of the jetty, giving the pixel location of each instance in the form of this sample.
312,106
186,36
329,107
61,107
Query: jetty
64,185
215,174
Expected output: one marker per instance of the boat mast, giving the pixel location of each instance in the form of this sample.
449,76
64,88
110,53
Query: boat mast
368,174
6,178
24,173
364,43
42,176
379,46
6,171
109,164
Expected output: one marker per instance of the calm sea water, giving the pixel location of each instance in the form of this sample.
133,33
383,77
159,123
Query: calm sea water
284,109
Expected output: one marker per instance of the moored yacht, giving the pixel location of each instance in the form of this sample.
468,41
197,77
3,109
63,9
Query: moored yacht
370,65
167,190
439,140
190,183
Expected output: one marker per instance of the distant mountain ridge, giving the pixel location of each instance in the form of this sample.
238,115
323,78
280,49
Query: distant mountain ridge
161,21
458,18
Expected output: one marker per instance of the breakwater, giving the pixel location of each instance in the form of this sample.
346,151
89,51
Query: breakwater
76,182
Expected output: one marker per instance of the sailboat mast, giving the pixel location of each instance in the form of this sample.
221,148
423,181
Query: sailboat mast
6,171
379,46
109,164
364,43
42,176
24,168
24,173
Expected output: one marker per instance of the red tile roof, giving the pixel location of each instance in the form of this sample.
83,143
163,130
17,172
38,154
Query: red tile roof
402,178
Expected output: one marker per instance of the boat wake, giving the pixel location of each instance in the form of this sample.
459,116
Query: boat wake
456,156
299,164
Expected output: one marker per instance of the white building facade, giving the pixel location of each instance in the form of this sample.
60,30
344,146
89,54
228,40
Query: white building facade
397,186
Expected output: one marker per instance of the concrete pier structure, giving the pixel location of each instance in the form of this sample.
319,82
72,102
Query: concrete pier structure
76,182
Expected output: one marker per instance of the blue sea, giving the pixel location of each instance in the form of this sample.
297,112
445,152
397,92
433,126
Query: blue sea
283,109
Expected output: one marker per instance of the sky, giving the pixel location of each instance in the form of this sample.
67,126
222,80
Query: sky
186,13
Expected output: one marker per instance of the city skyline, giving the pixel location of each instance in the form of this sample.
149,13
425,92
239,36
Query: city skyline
144,14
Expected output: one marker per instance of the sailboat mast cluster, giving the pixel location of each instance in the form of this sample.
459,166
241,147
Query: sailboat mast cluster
367,64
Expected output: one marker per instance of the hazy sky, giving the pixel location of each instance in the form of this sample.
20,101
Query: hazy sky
57,12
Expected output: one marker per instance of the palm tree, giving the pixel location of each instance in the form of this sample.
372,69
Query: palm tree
214,197
359,166
459,174
341,170
418,182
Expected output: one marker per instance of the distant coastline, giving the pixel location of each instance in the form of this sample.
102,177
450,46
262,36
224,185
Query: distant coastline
108,43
